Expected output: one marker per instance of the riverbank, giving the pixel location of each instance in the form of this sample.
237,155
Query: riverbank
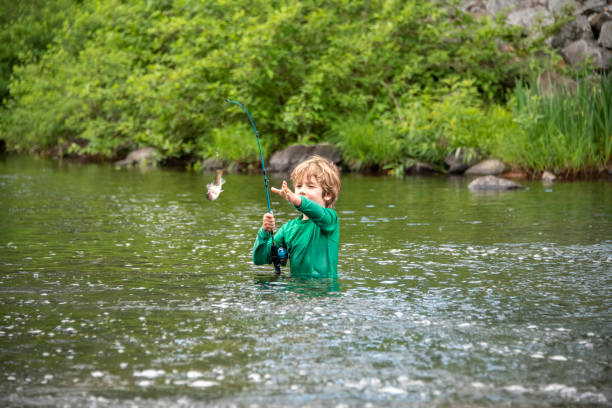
410,167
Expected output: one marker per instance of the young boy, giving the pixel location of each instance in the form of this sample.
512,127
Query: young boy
312,238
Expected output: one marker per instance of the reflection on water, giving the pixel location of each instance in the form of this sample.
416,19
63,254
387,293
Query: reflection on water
123,288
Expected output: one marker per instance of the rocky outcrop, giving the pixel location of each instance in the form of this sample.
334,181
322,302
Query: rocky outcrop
588,35
285,160
148,155
488,167
492,183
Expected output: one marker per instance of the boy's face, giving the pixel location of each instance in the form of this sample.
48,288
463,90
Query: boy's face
311,189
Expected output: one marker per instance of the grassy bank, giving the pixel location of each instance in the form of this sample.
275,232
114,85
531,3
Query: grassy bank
569,132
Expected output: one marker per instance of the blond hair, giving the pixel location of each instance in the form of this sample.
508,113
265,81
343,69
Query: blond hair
324,171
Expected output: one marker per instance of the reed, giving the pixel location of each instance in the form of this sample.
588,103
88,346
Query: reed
568,132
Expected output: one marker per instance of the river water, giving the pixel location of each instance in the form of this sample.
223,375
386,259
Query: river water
129,288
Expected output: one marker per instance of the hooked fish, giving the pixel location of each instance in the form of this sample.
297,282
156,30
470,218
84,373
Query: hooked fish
214,188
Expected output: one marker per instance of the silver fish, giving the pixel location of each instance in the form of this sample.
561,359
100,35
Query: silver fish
214,188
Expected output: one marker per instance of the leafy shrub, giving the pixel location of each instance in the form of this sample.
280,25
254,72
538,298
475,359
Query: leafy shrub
452,117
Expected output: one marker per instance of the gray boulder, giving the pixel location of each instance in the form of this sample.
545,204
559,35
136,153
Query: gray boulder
284,161
579,51
556,6
593,6
489,166
460,160
492,183
598,20
605,35
148,155
577,29
494,7
529,17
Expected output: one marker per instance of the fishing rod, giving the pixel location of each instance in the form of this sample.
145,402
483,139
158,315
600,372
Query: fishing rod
279,255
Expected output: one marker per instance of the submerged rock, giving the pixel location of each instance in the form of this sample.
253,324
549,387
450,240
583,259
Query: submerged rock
148,155
489,166
492,183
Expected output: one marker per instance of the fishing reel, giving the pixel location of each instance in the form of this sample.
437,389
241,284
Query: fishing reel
279,258
282,256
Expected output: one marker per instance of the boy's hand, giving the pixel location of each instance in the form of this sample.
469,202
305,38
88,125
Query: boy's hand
288,195
268,222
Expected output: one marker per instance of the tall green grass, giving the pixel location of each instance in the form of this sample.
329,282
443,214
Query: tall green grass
568,132
365,143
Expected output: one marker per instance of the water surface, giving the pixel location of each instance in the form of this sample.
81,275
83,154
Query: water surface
128,287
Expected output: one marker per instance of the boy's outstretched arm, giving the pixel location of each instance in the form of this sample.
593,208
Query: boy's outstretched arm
287,194
325,218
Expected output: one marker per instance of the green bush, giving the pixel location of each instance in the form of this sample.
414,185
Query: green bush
451,117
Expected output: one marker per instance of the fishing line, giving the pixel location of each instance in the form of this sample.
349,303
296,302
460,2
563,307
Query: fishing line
279,255
263,167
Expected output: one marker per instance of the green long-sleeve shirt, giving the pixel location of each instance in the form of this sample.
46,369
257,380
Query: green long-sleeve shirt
312,244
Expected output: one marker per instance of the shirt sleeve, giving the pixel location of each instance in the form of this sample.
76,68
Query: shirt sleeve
262,250
324,218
